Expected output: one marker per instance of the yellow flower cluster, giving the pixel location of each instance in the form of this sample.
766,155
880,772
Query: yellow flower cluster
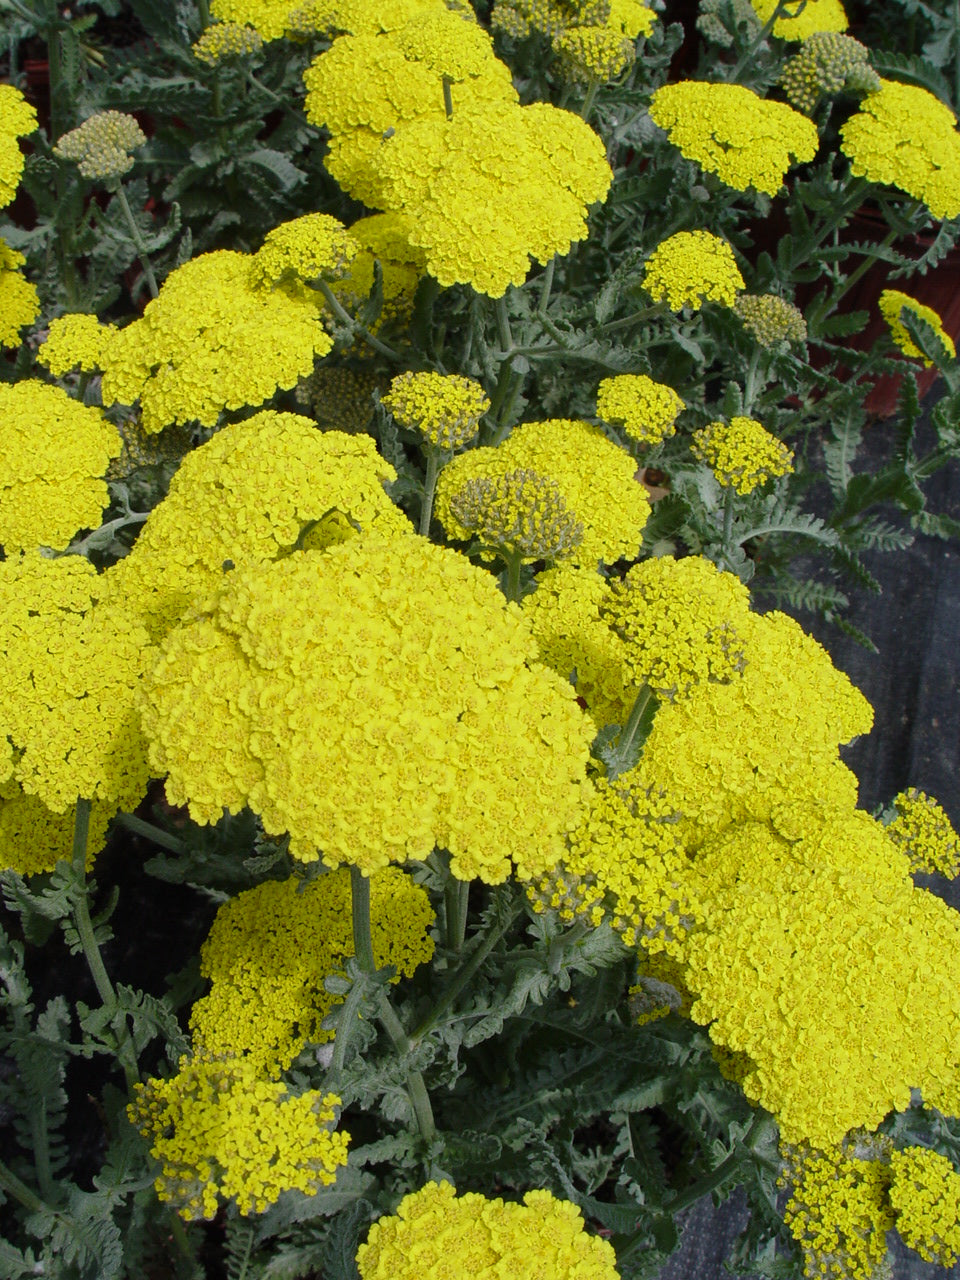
925,1195
595,479
383,238
75,341
101,146
374,700
362,17
769,319
905,137
17,117
594,53
564,613
820,960
691,268
69,669
227,40
53,456
741,453
646,410
444,408
306,249
828,63
627,853
892,302
222,1132
482,224
839,1214
583,26
244,497
519,513
925,834
435,1233
681,623
33,838
267,17
746,140
801,21
19,302
761,742
212,340
394,147
270,948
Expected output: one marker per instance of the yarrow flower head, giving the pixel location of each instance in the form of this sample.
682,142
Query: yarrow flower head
19,301
341,398
595,478
519,513
922,829
892,302
101,146
224,1133
225,40
741,453
828,63
905,137
267,17
925,1195
371,700
801,21
444,408
746,140
313,247
75,341
434,1231
681,623
383,238
17,118
770,320
647,410
269,947
54,452
594,53
332,18
690,268
212,341
33,839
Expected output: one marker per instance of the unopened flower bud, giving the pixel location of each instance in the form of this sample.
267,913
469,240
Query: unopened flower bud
101,146
518,512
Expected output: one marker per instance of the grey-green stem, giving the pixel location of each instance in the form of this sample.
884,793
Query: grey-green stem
429,488
137,239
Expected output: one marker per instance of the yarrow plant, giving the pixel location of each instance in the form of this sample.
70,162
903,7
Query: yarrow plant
427,841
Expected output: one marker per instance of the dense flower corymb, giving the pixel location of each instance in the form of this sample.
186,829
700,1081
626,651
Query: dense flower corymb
827,63
444,408
374,700
222,1132
924,832
75,341
905,137
741,453
690,268
17,117
53,455
101,146
226,40
435,1232
892,302
800,21
270,948
306,249
746,140
19,302
770,319
839,1214
518,513
926,1198
646,409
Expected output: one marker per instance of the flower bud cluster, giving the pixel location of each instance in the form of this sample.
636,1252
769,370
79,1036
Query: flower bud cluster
226,40
518,513
769,319
828,63
101,146
443,408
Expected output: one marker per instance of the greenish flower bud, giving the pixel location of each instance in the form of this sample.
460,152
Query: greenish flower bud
770,320
518,512
828,63
101,146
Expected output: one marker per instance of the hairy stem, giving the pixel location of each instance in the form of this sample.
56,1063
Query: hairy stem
456,898
137,239
154,833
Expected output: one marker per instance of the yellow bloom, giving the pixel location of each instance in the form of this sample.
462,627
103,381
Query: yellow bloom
212,341
444,408
741,453
226,40
69,669
839,1214
267,17
357,17
924,832
374,700
892,302
436,1233
75,341
647,410
54,452
594,53
314,246
17,117
33,838
383,238
269,949
596,480
19,303
222,1132
691,268
812,17
519,513
244,497
905,137
746,140
494,187
925,1196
